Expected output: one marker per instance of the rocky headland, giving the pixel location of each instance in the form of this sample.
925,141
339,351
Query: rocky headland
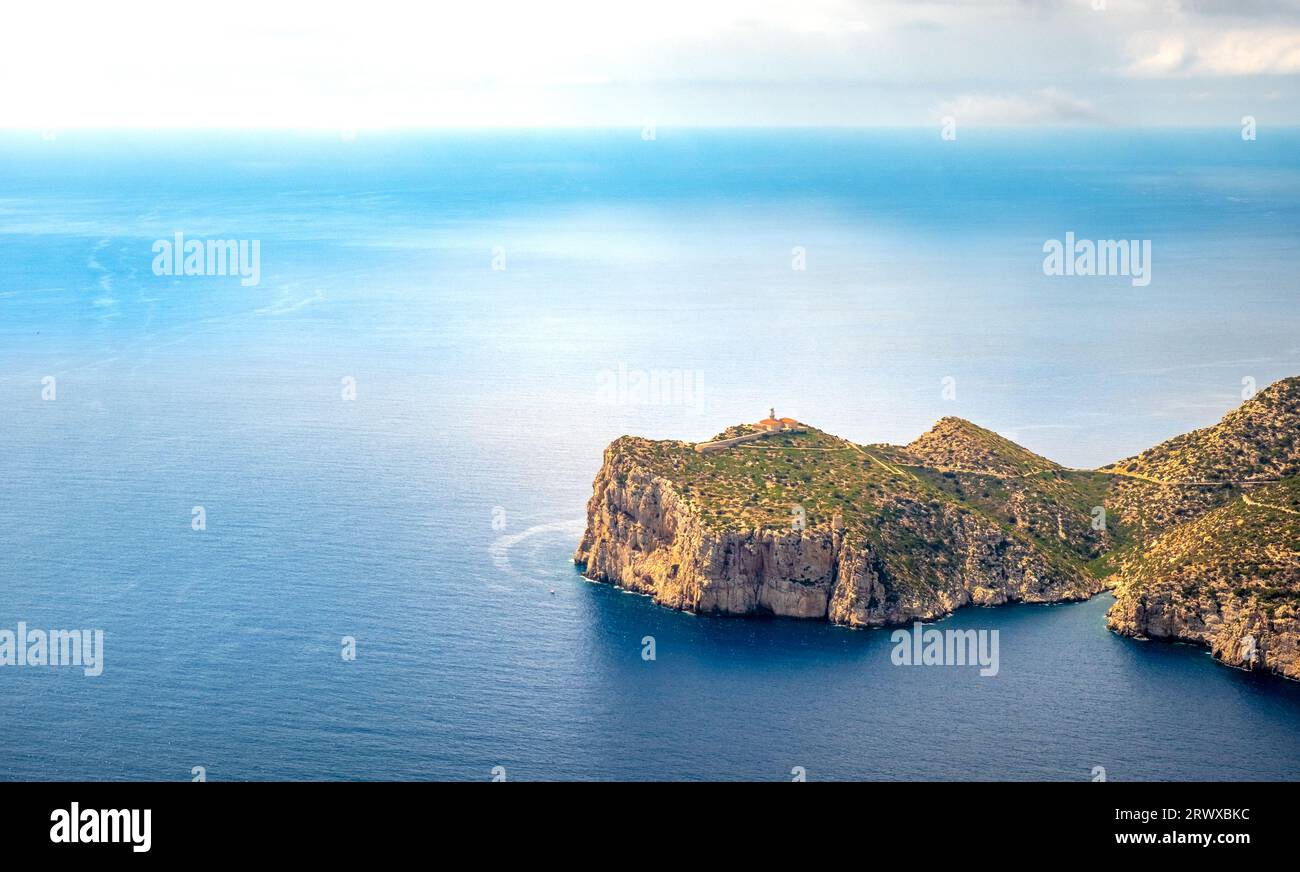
1198,537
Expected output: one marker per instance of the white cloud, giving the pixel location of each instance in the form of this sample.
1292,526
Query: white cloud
1169,57
1255,52
1044,106
393,63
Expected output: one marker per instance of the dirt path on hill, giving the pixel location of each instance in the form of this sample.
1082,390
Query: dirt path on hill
1140,477
1248,501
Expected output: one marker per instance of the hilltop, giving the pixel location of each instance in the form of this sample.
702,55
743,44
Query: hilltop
1057,508
1258,439
1180,480
957,445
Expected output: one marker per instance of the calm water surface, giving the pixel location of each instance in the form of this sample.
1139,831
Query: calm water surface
478,401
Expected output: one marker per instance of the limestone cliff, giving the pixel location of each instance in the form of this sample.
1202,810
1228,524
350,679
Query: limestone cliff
806,526
1229,580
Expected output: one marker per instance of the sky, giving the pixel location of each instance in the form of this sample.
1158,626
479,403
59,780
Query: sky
562,63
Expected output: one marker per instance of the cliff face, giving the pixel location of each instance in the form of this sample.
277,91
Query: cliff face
641,535
1055,507
901,552
1229,580
975,563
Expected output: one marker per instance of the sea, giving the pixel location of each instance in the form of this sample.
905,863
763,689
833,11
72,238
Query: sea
324,512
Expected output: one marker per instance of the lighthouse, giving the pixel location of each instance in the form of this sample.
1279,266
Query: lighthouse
773,423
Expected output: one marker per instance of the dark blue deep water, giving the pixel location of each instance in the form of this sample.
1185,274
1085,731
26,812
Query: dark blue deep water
432,518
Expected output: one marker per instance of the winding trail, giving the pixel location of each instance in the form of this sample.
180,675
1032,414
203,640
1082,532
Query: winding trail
783,448
1243,481
1140,477
984,472
1248,501
889,467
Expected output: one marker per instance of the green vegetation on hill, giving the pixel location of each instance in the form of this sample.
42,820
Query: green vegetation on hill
1090,520
758,485
1259,439
1249,548
1229,579
881,493
957,445
1185,477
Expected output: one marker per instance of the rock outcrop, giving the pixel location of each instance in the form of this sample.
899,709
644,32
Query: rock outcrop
902,551
644,536
1229,580
1199,536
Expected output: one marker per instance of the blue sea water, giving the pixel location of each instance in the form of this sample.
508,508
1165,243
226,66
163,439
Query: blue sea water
432,518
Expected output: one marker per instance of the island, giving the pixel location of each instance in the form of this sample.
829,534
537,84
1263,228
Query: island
1198,538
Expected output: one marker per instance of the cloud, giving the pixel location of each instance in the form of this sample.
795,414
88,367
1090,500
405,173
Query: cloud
1044,106
1171,56
391,64
1251,52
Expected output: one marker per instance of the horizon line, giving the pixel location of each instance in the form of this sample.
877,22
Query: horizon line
417,128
